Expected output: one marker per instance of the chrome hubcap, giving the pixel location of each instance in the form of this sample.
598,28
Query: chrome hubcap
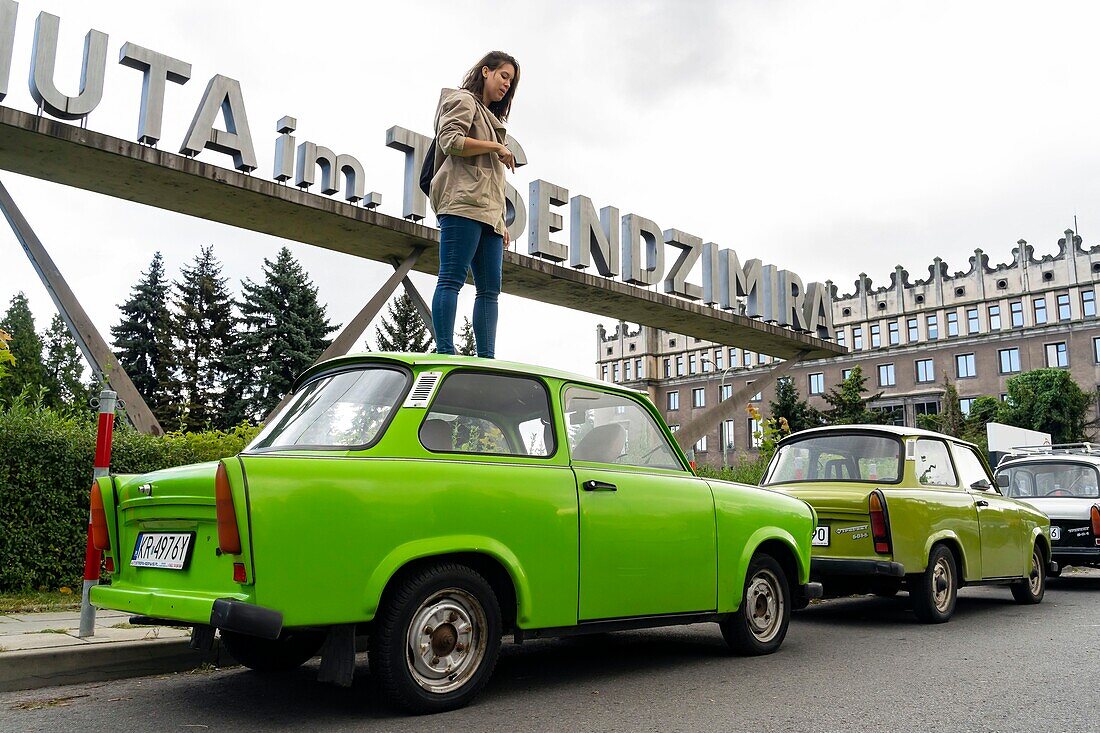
941,584
446,640
764,605
1035,580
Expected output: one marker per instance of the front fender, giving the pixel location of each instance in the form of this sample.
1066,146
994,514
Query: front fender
445,545
752,545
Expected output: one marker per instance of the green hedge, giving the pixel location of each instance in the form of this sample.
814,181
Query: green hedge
45,474
748,469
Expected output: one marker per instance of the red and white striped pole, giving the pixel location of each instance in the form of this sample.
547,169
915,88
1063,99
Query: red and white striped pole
92,557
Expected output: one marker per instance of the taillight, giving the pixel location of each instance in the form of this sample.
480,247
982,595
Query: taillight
229,538
880,523
1096,523
100,539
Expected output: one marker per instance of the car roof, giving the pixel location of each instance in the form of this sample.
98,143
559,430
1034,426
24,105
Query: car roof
1049,458
429,360
897,430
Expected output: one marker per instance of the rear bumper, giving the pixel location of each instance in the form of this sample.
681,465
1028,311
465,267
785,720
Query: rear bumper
824,567
186,608
229,614
1090,554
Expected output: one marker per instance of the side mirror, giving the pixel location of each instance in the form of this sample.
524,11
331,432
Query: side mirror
982,485
1002,480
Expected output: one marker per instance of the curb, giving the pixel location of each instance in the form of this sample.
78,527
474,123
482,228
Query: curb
34,668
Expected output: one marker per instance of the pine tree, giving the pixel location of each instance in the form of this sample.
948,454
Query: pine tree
28,371
143,342
404,330
203,330
64,368
789,404
282,330
466,345
849,407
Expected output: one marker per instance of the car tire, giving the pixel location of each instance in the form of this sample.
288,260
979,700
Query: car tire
935,591
436,639
270,656
760,623
1032,589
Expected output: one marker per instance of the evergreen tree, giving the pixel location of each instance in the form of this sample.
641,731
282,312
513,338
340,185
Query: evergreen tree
849,407
404,330
203,330
143,342
466,345
64,369
282,330
6,358
28,371
789,404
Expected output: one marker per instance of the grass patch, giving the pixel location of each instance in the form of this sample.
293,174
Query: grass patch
52,631
125,625
32,601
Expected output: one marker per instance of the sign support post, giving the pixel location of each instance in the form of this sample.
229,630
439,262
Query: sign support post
107,402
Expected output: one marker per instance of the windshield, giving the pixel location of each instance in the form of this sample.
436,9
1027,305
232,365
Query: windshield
843,458
347,409
1048,479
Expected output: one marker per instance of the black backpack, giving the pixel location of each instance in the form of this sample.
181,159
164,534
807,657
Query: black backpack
427,171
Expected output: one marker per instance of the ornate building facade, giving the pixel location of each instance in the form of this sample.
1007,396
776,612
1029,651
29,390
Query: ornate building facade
976,328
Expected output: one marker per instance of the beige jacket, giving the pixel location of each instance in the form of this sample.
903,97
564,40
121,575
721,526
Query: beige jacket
470,187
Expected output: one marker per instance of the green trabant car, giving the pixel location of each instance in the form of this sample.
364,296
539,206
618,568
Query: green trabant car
907,508
434,504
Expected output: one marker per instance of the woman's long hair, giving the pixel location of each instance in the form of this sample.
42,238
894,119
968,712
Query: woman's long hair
475,82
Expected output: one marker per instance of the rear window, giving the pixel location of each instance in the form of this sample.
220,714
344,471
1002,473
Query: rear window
843,458
347,409
1054,480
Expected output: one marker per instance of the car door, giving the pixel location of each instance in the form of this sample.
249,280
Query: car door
1003,537
647,532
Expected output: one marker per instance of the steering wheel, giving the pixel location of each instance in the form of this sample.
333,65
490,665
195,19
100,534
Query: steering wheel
1059,492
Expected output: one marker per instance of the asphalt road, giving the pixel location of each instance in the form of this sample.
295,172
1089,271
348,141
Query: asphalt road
854,664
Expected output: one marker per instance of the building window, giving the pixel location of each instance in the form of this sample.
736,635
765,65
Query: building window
692,365
1063,307
1088,303
603,372
698,397
895,333
857,338
817,383
668,368
886,376
634,347
759,396
926,408
911,327
840,337
672,343
1040,305
994,318
637,368
733,357
610,350
933,324
761,360
616,372
755,433
680,365
965,366
1010,360
845,373
1096,349
725,391
1057,356
674,400
876,336
925,371
952,323
727,434
1016,309
718,359
965,404
701,446
746,358
707,364
628,370
972,320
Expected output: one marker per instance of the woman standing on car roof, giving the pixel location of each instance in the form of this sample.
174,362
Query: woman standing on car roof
467,194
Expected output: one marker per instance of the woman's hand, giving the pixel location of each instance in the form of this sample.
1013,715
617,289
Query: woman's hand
507,238
506,157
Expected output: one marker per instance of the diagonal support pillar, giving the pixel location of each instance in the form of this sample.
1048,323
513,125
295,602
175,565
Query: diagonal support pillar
96,351
688,435
418,301
356,326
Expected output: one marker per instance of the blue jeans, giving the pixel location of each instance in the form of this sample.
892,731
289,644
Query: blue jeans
465,245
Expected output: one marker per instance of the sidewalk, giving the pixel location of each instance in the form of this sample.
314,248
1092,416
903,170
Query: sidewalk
42,650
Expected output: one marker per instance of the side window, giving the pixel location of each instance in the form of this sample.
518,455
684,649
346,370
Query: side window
934,464
611,428
493,414
971,468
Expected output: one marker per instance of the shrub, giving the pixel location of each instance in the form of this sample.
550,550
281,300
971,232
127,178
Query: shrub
45,474
747,470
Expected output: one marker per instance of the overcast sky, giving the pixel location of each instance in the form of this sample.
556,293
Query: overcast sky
829,138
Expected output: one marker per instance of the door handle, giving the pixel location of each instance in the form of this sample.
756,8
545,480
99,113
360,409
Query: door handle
598,486
981,503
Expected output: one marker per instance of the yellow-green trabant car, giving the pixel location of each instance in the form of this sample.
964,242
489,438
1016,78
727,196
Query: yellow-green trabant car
903,508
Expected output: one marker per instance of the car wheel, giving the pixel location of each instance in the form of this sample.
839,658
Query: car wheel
436,639
268,656
935,591
1032,589
759,625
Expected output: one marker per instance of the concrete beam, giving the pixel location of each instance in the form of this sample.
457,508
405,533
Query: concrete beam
55,151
